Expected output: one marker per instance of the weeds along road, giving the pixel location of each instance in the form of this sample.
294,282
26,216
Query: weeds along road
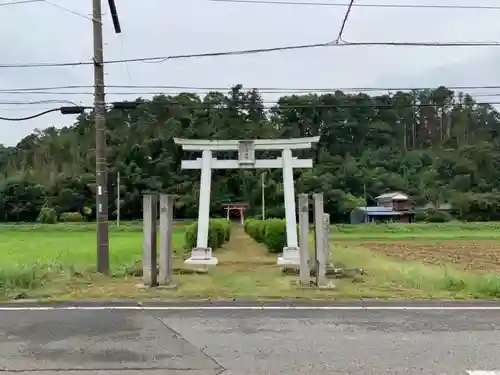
425,339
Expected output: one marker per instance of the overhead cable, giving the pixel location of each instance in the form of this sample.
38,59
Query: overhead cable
33,102
19,2
64,110
68,10
344,22
362,5
161,59
127,89
287,105
272,106
174,93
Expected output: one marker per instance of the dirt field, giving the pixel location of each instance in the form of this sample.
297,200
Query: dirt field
481,256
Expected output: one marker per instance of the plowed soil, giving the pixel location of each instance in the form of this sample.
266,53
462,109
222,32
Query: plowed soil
479,256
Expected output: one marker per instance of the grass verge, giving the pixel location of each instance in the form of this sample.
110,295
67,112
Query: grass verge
41,259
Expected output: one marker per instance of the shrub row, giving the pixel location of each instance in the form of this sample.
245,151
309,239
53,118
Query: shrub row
219,232
48,215
271,232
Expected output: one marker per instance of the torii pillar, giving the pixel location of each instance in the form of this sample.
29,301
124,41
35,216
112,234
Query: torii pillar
202,254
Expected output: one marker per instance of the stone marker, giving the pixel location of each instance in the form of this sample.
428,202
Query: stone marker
149,251
166,240
319,240
304,239
327,240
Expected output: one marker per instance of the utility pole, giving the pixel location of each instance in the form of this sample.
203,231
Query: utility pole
263,186
100,143
100,134
118,199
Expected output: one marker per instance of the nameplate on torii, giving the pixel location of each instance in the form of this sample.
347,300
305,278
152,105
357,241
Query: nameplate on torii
236,164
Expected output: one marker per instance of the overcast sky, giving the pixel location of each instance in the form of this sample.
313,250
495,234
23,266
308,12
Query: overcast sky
41,32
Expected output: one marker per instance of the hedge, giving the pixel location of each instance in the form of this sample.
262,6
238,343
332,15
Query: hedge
71,217
219,232
271,232
47,215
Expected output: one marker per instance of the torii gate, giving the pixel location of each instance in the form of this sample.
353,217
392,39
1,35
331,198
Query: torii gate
238,207
202,254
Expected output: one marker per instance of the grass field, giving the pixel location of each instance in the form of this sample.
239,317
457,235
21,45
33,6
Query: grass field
71,249
453,260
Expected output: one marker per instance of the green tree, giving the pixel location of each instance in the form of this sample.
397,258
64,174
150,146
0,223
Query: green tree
436,145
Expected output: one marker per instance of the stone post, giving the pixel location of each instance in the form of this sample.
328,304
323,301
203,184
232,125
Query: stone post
304,238
320,239
166,239
149,251
327,241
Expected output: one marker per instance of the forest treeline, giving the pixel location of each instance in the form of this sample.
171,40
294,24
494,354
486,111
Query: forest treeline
435,145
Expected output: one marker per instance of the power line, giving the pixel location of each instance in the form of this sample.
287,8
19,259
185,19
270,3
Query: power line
286,105
361,5
270,106
274,104
161,59
29,117
68,10
36,102
64,110
344,22
174,93
205,90
19,2
279,106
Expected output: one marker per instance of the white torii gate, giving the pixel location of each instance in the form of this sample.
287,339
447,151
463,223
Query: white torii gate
202,254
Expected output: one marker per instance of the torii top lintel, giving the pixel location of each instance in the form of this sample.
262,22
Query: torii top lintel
233,144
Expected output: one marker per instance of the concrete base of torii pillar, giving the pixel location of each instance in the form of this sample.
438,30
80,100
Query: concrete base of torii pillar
202,257
290,257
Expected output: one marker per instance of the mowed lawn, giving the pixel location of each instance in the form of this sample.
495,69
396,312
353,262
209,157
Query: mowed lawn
71,248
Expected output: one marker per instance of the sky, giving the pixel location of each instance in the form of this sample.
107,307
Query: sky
44,32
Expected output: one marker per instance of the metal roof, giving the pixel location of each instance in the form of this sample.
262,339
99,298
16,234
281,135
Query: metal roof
393,195
379,211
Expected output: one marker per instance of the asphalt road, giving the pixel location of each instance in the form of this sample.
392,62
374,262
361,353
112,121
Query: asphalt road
249,342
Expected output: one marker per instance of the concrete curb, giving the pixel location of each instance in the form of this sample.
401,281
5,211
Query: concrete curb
391,304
